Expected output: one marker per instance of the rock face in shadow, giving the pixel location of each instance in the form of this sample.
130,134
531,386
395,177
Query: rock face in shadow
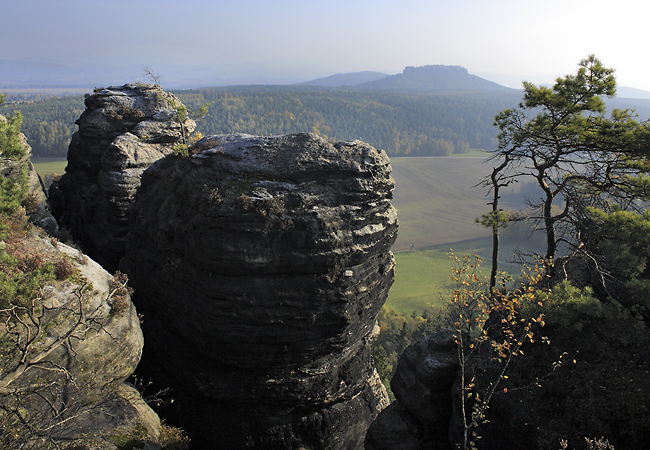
423,384
123,130
260,265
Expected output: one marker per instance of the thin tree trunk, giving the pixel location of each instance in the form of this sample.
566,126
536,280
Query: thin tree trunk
496,186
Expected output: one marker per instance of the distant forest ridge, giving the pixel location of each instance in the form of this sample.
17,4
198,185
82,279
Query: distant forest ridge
424,111
401,124
48,122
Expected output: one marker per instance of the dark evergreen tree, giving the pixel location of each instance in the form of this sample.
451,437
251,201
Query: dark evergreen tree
580,158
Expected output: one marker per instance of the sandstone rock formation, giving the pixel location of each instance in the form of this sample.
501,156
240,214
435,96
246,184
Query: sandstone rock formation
422,384
122,132
66,354
260,265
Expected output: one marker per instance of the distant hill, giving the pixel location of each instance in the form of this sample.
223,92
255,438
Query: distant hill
346,79
623,93
640,105
431,79
629,92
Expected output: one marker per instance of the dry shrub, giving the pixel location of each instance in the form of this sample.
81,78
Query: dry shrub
120,294
172,438
126,113
245,202
63,268
30,262
212,194
30,203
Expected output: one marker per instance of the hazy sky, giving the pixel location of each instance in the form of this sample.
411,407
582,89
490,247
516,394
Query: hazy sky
297,40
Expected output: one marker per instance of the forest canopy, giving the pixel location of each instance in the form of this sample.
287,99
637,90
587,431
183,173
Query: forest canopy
48,122
401,124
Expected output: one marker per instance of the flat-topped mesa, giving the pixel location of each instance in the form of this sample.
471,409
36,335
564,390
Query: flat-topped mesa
261,264
123,130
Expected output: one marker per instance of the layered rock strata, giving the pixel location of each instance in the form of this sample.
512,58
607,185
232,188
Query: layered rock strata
123,130
261,264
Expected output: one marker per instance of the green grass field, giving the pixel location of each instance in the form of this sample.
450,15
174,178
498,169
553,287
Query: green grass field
49,166
437,205
422,277
437,202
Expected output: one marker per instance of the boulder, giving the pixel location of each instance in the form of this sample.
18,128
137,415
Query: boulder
123,130
425,373
260,264
396,429
67,353
423,383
